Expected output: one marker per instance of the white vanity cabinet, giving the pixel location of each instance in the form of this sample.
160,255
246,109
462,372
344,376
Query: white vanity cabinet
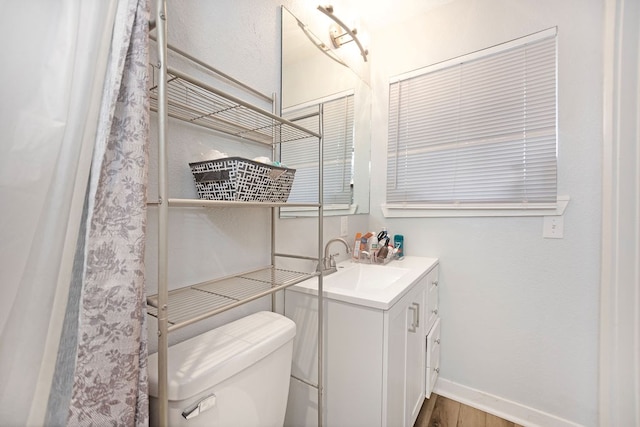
404,347
412,323
375,359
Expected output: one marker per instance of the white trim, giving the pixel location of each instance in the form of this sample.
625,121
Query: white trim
315,102
329,210
619,379
549,32
409,210
498,406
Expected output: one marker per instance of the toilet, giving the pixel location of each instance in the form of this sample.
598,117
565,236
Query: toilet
235,375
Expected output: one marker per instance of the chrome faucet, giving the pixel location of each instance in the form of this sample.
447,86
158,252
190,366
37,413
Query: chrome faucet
329,262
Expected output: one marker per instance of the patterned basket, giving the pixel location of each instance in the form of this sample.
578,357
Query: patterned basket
238,179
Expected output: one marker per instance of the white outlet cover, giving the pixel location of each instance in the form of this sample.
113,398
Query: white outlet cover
553,227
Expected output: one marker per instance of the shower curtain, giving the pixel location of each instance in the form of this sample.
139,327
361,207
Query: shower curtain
110,382
73,174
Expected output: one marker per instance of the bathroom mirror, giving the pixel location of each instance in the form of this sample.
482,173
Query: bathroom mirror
314,76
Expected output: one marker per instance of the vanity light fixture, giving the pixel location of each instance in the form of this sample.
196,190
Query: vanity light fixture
319,44
339,32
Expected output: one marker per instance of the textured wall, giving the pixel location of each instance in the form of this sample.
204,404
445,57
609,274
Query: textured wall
519,312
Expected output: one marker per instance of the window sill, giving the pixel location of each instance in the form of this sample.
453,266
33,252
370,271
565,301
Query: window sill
489,210
328,210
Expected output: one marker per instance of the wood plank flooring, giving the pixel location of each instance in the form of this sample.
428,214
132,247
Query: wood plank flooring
440,411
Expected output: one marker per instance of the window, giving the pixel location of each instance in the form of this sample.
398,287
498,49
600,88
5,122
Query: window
337,114
476,132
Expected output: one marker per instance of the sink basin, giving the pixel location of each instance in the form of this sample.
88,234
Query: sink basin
376,286
364,277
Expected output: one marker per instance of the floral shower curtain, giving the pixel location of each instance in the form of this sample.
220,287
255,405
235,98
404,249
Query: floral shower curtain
110,380
73,331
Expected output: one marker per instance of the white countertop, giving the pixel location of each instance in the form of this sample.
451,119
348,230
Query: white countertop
402,274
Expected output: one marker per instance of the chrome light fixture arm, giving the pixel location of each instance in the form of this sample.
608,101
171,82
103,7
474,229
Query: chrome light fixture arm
328,10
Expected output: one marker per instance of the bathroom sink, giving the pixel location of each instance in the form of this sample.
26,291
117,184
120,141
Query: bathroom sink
376,286
364,277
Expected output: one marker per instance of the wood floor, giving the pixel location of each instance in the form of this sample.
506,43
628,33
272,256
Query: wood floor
439,411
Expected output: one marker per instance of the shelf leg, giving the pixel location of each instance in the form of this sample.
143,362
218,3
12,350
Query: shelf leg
163,213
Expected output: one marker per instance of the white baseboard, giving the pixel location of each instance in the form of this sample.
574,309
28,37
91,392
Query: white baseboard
498,406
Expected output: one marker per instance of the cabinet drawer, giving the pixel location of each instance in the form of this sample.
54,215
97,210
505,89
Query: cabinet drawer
432,299
433,358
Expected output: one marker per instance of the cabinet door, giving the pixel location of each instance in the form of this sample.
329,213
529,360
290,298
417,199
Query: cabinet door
405,359
395,364
415,360
433,358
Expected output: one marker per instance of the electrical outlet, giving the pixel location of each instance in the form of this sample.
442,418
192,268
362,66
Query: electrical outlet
553,227
344,226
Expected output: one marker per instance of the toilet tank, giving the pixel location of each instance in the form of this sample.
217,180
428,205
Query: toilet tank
234,375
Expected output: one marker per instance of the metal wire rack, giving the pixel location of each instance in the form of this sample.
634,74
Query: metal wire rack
194,303
182,97
196,102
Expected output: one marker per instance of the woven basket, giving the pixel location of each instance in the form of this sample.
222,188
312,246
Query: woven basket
238,179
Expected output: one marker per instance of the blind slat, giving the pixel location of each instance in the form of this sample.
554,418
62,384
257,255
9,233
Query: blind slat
338,140
479,131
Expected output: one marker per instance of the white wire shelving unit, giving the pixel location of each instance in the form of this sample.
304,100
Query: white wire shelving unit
179,96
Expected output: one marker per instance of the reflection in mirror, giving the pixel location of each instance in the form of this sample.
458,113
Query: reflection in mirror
317,83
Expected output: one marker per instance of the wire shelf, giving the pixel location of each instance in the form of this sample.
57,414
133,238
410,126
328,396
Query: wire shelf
195,102
193,303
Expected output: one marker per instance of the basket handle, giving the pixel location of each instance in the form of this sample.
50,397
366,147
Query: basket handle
275,174
212,176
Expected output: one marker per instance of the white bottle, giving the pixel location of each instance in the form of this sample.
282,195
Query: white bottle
356,246
373,245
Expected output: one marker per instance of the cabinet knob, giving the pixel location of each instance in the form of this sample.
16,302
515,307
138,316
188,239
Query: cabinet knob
435,311
434,283
437,370
437,341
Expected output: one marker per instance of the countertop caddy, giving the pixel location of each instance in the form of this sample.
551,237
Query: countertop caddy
381,343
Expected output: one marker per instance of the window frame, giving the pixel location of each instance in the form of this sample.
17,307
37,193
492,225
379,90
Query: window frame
332,208
415,209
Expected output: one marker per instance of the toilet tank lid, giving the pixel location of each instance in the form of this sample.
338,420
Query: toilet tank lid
205,360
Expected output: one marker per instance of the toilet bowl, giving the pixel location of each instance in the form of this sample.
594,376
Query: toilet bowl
235,375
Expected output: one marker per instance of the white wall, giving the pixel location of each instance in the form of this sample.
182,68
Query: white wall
519,312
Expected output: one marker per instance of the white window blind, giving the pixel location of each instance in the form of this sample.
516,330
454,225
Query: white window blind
337,133
477,130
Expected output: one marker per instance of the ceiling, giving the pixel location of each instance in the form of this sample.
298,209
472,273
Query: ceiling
380,13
